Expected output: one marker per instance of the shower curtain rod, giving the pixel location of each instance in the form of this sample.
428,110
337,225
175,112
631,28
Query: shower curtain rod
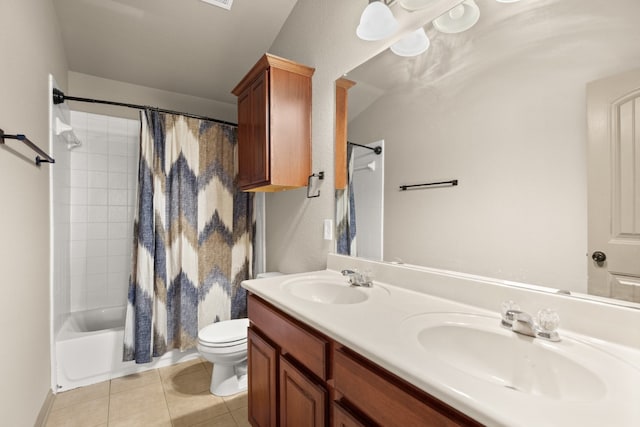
376,150
59,97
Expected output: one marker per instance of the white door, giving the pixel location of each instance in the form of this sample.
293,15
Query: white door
613,113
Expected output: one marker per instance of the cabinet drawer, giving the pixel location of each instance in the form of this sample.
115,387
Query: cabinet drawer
387,399
308,348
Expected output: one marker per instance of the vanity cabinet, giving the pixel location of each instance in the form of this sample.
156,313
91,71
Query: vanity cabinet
274,125
288,369
386,399
300,377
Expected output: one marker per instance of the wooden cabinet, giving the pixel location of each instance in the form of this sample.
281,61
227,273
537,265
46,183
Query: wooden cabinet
342,105
294,372
274,125
302,401
386,399
293,392
262,366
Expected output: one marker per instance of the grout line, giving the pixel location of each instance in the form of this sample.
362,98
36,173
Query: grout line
164,394
109,403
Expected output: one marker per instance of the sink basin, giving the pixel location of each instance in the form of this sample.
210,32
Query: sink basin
479,348
325,291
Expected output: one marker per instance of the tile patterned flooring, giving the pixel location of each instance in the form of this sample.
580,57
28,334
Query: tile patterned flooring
174,396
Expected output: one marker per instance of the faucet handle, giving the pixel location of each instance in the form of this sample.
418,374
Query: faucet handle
548,320
506,308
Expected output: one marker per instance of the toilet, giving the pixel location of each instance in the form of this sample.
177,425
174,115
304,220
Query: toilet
225,345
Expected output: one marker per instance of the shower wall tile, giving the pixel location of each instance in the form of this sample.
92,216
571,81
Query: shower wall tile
79,196
79,160
117,264
98,179
118,163
78,248
79,214
98,196
97,143
79,178
118,197
97,248
118,180
98,162
78,231
97,213
104,174
119,247
118,214
97,230
119,230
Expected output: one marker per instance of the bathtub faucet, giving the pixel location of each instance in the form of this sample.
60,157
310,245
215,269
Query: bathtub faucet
357,278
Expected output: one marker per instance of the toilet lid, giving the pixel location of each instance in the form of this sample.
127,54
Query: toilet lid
227,331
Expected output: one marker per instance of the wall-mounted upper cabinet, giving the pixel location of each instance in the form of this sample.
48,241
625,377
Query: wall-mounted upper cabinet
342,87
274,125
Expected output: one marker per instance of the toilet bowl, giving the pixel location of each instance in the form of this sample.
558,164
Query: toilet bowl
225,345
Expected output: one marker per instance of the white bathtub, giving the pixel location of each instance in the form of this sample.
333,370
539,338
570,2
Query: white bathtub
89,349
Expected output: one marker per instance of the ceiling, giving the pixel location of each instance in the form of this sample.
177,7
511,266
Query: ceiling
183,46
544,31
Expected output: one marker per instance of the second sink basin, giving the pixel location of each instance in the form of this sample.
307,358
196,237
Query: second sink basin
477,346
324,290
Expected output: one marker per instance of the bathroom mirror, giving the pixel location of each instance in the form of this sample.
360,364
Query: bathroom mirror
502,109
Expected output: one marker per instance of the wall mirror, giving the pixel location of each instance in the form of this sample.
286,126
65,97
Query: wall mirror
502,109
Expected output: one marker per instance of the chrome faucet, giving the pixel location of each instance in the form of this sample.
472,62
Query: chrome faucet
356,278
522,323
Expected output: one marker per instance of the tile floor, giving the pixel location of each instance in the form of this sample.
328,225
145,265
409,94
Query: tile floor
174,396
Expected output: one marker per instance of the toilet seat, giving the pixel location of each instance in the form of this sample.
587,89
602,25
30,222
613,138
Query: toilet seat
227,333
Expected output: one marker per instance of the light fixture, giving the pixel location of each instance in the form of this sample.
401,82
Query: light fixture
459,19
414,4
507,1
377,22
412,44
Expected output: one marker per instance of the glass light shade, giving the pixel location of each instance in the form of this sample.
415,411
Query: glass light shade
377,22
458,19
415,4
412,44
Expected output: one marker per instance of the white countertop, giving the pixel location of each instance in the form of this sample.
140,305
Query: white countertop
378,329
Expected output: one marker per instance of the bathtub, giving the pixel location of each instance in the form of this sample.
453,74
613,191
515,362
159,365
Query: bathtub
89,349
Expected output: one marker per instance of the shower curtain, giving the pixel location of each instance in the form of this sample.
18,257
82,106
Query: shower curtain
193,235
346,211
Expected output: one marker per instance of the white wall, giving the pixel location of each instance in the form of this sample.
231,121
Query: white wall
513,132
87,86
60,219
31,48
321,34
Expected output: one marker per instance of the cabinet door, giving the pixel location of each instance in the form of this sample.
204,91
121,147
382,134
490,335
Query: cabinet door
302,402
342,418
253,133
262,373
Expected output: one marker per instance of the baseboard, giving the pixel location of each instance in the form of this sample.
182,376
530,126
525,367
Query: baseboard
43,416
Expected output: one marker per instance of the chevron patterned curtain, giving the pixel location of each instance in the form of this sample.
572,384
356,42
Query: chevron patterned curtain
346,212
193,235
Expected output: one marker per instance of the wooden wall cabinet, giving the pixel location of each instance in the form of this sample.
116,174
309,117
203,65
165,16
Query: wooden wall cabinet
342,105
299,377
274,125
